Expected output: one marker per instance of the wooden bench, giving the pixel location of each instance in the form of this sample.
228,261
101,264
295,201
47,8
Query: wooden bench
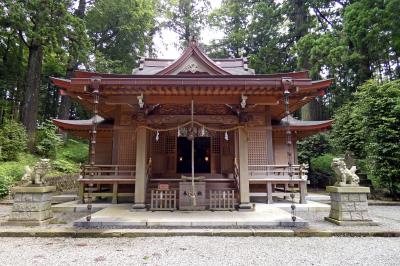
108,175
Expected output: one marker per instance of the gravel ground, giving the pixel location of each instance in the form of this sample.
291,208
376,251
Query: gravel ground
200,251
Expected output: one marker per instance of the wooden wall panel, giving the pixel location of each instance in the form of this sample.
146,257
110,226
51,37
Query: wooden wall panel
280,148
104,150
227,153
126,148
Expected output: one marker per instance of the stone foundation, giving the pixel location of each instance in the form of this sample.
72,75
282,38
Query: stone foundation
32,205
349,206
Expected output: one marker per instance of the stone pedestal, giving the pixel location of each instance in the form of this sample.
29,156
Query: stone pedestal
349,206
32,205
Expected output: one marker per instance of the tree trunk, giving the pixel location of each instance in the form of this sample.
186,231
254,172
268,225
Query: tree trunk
65,105
30,108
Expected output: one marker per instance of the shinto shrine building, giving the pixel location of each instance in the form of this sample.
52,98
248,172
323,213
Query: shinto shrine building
193,133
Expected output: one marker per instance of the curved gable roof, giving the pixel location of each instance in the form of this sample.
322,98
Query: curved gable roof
193,52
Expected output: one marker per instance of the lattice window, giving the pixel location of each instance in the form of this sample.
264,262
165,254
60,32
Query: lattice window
257,148
126,148
158,146
170,144
227,146
216,143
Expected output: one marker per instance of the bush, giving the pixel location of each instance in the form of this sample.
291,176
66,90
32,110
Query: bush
13,140
47,141
74,151
12,172
322,174
313,147
369,126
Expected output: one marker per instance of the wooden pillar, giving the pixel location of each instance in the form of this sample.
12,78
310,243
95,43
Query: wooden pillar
244,169
270,147
141,175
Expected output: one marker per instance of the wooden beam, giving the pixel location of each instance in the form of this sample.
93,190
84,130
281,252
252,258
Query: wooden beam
205,119
198,99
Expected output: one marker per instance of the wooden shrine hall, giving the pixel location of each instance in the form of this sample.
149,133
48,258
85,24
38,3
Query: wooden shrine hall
192,134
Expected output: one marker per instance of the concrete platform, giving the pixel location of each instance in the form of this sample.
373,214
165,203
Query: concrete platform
318,197
310,206
75,206
121,216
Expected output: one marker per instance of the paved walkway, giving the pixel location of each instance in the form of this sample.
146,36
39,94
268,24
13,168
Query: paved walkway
200,251
122,216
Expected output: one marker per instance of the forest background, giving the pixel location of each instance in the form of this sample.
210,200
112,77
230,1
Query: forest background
354,42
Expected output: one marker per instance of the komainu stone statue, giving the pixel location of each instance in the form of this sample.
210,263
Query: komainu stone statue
36,175
344,176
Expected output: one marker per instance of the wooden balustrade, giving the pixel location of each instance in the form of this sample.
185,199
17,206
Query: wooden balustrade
278,171
108,171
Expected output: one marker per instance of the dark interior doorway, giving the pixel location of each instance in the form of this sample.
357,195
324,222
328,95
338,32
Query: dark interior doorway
202,158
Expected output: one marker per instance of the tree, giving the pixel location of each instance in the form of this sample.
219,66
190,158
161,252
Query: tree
77,50
119,31
40,25
186,18
369,126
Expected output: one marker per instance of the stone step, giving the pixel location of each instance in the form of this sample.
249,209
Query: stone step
56,199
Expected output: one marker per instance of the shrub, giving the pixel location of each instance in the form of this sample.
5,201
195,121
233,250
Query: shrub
313,147
13,140
47,141
74,151
370,127
322,174
12,172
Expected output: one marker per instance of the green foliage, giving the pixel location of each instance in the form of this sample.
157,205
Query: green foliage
119,31
74,151
322,174
13,140
312,147
70,156
11,172
47,141
370,127
186,18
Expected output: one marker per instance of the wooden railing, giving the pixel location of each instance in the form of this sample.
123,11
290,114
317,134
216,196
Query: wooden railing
222,200
278,171
108,171
163,200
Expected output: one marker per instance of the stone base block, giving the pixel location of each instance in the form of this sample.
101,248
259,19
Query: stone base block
31,216
351,223
349,204
32,205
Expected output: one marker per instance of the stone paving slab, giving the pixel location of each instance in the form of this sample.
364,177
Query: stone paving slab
122,216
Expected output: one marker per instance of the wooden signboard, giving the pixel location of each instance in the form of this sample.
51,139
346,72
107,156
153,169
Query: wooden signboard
163,186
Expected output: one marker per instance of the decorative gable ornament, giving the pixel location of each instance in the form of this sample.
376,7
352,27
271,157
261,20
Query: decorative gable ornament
192,67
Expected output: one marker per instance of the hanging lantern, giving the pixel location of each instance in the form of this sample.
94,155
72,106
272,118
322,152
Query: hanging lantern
157,136
203,131
226,136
